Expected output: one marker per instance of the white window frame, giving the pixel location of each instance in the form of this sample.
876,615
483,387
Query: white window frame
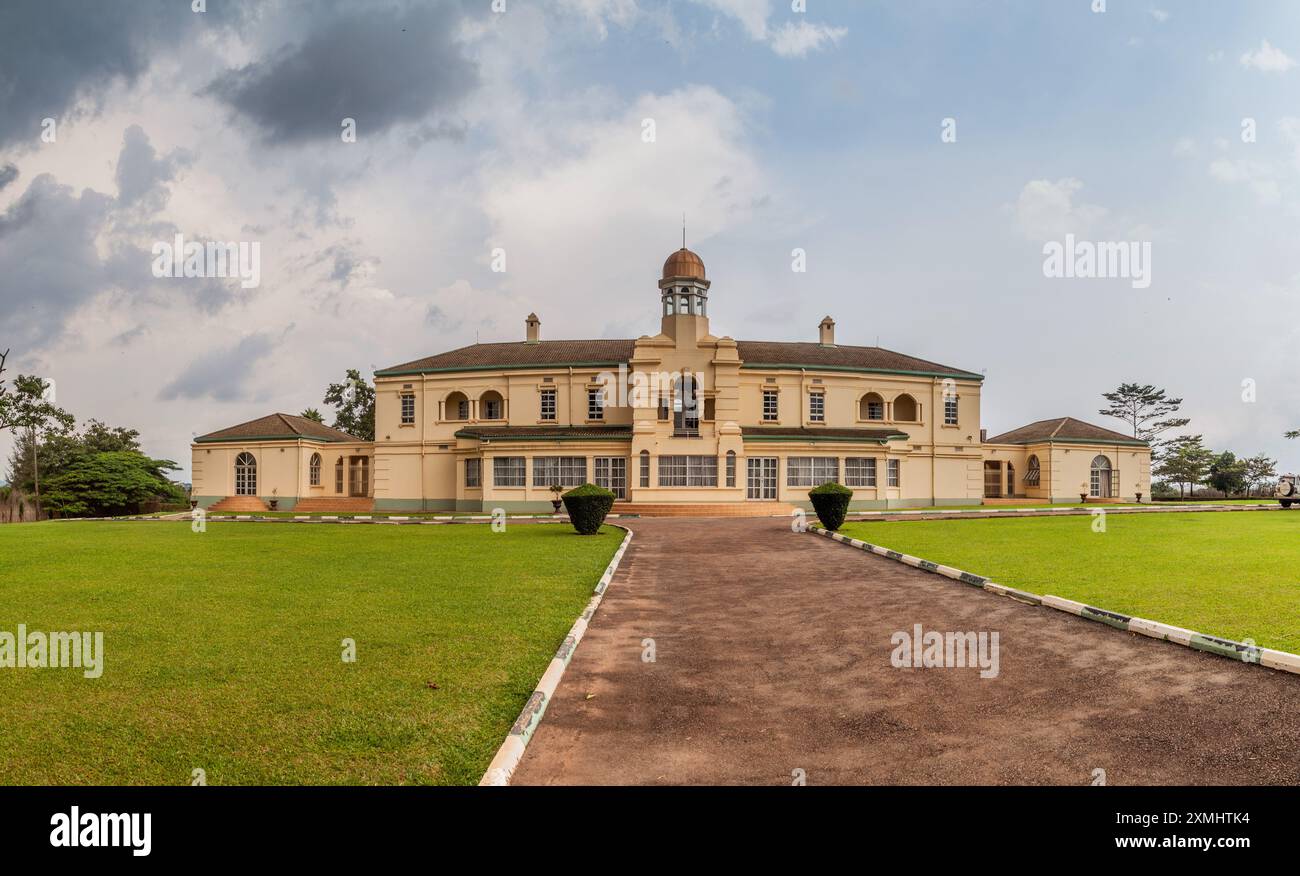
313,470
893,473
816,407
595,404
950,410
548,405
611,473
408,409
509,471
473,474
567,471
860,471
771,406
688,471
811,471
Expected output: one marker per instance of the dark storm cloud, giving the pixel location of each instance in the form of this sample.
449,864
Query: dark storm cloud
48,262
221,374
8,173
141,175
378,66
61,55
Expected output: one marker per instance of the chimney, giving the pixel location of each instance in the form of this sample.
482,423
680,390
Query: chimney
533,327
827,330
984,436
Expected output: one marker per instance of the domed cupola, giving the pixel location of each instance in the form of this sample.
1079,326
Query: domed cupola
684,291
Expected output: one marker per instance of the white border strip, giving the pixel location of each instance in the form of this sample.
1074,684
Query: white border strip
512,749
1244,652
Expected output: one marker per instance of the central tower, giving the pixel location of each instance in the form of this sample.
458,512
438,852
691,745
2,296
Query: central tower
684,297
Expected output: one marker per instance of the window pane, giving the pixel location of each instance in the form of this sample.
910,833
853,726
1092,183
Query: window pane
509,471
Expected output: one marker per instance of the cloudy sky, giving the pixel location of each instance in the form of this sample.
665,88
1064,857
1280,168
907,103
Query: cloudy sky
774,129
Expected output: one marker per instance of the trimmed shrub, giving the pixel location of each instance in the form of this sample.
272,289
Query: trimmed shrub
587,506
831,502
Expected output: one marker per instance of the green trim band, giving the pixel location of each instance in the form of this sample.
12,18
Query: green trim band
542,367
881,441
627,437
959,375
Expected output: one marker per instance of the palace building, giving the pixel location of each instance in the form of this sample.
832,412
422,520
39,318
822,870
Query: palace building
679,418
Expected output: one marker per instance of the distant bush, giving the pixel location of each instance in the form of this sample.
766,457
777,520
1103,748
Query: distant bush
831,502
587,506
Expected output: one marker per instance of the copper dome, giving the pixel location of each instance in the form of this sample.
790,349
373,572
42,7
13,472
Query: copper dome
684,264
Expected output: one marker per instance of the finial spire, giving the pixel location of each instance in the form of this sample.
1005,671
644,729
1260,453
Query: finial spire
683,231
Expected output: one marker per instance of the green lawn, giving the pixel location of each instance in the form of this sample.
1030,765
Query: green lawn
1235,575
222,649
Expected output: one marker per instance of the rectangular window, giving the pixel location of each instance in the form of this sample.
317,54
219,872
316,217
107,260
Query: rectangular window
859,471
817,407
462,409
950,410
811,471
492,409
509,471
611,473
770,405
892,473
567,471
595,404
548,405
474,473
875,410
663,408
688,471
408,409
645,469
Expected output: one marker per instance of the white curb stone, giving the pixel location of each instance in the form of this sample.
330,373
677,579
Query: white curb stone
512,749
1067,605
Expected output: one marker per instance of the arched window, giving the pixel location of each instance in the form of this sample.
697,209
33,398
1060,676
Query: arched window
338,476
1034,474
905,409
313,470
1011,480
1100,481
668,304
456,407
731,468
491,406
645,468
686,405
872,407
683,304
245,475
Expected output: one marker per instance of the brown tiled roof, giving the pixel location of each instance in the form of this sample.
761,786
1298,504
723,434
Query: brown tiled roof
520,354
278,427
540,433
798,433
1063,429
757,353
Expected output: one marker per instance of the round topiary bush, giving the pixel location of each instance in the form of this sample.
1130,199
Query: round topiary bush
587,506
831,502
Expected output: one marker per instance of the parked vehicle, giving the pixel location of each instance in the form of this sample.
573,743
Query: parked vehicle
1286,490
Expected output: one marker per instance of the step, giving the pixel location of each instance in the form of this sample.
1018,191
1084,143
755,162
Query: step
703,509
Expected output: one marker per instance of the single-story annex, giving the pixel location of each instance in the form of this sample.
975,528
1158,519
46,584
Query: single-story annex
679,417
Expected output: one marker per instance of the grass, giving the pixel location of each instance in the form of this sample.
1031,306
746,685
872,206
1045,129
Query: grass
223,649
1230,575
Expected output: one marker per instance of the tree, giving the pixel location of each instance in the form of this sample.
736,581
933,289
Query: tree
1227,473
109,483
1259,468
1147,411
1186,463
312,414
27,408
354,405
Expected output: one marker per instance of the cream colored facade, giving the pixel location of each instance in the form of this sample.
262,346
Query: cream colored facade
484,427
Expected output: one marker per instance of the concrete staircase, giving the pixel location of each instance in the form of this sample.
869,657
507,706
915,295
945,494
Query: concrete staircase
335,505
238,505
684,509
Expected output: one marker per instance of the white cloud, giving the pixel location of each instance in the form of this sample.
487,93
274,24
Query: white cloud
797,40
1046,210
1267,59
1160,15
1256,176
789,39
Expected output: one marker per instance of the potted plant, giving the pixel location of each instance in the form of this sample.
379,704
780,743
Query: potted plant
556,501
831,502
274,501
588,505
1083,493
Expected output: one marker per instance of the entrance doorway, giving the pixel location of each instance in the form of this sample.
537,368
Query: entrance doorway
359,476
761,478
